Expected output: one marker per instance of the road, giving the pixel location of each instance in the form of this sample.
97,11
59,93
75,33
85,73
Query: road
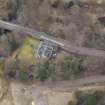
72,84
38,97
39,91
65,45
79,82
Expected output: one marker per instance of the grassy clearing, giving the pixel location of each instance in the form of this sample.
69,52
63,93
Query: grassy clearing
26,51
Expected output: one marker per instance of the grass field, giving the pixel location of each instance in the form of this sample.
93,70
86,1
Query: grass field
26,51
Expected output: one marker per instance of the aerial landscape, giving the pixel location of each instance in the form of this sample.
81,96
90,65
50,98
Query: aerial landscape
52,52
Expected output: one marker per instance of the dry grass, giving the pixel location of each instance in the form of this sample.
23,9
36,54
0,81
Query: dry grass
26,51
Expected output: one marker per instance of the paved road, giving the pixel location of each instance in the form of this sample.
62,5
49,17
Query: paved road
65,45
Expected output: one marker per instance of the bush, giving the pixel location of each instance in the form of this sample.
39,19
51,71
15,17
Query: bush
13,7
11,69
71,68
88,98
16,70
55,3
23,73
68,5
13,44
45,71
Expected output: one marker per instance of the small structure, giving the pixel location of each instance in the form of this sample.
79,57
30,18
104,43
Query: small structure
46,49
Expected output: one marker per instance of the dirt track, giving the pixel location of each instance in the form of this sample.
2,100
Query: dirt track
79,82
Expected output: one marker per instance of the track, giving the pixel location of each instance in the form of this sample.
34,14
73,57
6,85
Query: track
99,79
65,45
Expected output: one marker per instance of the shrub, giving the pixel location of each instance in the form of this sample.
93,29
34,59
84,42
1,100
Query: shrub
16,70
13,44
11,69
23,73
55,3
88,98
71,68
45,71
68,5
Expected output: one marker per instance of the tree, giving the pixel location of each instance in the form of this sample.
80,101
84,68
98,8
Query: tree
16,70
71,68
87,98
11,69
45,70
23,73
